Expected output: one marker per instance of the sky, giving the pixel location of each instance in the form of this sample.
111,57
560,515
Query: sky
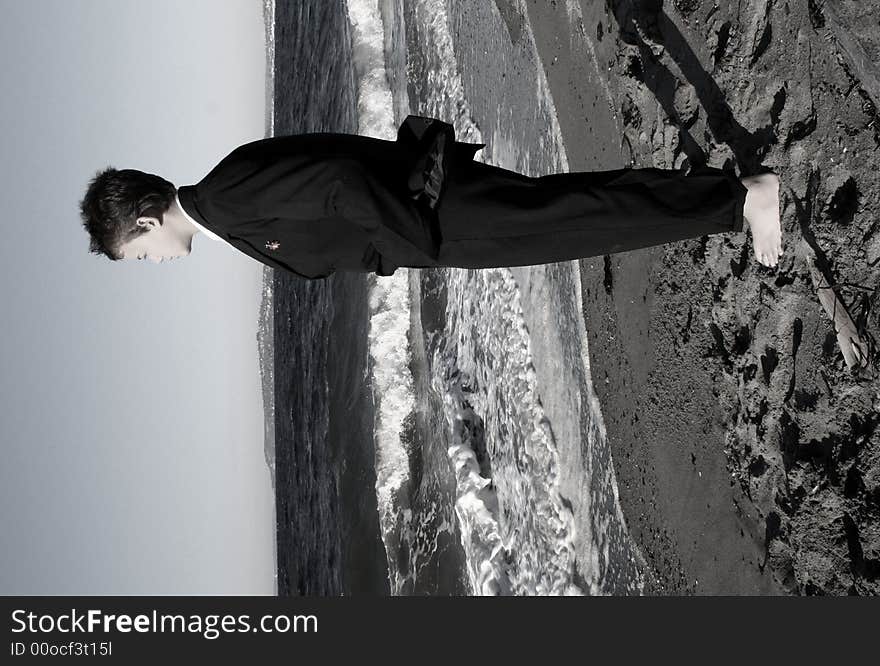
132,420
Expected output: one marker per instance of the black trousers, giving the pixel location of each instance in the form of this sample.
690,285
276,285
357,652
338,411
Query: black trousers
491,217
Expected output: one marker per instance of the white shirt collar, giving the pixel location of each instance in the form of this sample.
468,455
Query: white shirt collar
210,234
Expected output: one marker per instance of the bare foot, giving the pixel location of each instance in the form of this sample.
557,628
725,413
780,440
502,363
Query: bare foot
762,213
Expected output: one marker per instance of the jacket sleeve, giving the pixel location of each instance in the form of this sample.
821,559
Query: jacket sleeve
434,148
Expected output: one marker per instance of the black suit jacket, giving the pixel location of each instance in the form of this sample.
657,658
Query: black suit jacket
312,204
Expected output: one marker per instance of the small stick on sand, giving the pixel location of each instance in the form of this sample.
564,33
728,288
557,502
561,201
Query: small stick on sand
855,351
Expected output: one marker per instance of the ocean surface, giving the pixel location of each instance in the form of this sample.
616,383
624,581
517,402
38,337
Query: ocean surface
413,448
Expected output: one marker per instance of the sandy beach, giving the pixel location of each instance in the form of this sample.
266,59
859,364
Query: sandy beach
745,449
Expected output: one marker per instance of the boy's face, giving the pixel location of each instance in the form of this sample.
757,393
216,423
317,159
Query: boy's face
159,243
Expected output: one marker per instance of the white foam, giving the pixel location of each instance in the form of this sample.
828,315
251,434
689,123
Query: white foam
266,333
375,101
389,302
516,532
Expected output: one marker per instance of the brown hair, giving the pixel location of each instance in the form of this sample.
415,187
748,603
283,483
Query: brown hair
113,202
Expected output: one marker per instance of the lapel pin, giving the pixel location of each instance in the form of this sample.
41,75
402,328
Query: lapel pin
272,245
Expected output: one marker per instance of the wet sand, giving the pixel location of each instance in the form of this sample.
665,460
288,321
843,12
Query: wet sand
661,416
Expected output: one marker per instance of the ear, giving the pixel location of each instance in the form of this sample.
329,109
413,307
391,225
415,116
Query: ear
146,221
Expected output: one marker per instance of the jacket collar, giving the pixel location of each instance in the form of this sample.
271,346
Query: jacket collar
186,199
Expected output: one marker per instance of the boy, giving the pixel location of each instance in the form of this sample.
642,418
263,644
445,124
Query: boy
316,203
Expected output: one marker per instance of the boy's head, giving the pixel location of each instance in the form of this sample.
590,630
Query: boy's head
130,214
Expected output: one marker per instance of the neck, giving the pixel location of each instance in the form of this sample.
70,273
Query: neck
181,222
